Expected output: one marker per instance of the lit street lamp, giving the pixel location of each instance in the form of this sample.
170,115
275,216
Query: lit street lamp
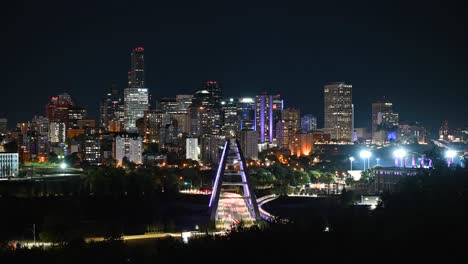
450,154
399,154
351,159
365,154
63,165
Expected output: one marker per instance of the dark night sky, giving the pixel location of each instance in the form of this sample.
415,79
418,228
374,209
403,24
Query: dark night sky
415,53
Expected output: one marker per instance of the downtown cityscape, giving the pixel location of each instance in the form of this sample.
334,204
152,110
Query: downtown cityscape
131,171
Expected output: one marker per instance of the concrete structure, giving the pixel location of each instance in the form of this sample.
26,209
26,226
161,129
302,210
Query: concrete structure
91,150
249,144
339,119
192,150
302,144
9,163
384,122
267,113
136,76
308,123
136,102
232,199
128,146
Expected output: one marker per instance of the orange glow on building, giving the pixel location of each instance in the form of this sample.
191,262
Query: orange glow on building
302,144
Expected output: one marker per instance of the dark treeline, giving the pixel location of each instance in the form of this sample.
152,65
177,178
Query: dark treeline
65,218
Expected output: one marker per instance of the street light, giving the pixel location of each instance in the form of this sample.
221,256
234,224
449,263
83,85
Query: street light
450,154
63,165
351,159
399,154
365,154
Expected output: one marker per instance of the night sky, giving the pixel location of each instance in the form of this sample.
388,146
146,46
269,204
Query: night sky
415,53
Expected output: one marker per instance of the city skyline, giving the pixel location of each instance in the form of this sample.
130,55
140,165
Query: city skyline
263,58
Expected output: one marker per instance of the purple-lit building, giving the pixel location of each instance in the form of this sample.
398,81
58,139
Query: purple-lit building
267,112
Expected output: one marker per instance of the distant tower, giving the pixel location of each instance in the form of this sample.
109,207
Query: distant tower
267,113
232,199
214,88
137,72
339,111
136,99
308,123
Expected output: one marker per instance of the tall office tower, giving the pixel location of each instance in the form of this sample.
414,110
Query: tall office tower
246,112
137,71
40,124
412,132
230,117
109,106
308,123
128,146
57,108
192,150
339,111
91,150
183,103
75,114
384,121
267,113
201,116
214,88
153,121
249,144
287,127
135,105
302,144
292,118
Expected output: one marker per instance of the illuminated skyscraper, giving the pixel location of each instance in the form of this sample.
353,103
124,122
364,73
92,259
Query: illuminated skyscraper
135,105
137,73
339,111
109,107
246,113
384,121
308,123
214,88
267,113
136,100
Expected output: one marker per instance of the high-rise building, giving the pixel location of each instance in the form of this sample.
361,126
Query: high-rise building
339,111
57,108
75,113
288,126
192,150
128,146
109,106
135,105
136,98
246,112
214,88
411,133
267,113
91,150
249,144
230,117
308,123
137,71
301,144
384,121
